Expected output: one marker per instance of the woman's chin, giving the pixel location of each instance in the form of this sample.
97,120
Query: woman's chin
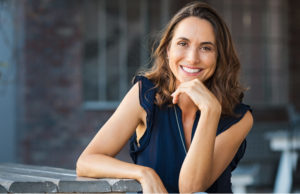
186,79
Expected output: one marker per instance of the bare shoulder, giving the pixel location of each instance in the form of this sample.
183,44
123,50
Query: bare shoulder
131,103
115,133
243,127
247,121
240,129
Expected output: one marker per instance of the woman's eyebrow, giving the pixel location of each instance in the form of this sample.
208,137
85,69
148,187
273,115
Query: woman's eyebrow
183,38
202,43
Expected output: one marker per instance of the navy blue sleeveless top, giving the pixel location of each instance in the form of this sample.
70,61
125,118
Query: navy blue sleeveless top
161,146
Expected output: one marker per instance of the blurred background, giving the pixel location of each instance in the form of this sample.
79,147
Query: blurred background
65,65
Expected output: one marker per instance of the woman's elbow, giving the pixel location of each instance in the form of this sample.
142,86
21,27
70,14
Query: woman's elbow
81,167
79,171
192,186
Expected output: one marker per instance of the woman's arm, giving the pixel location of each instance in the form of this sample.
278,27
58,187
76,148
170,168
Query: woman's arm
197,166
208,155
204,163
98,161
227,145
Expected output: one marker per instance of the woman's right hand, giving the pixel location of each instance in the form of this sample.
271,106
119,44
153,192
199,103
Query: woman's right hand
151,182
201,96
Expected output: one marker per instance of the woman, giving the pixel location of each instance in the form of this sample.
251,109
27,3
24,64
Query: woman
184,116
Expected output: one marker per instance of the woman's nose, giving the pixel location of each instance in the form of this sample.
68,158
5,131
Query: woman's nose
193,56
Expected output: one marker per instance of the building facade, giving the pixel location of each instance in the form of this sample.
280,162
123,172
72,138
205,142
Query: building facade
71,62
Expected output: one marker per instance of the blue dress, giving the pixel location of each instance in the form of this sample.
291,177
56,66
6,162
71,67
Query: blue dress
162,146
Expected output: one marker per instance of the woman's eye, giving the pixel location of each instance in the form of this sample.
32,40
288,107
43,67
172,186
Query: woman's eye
205,48
182,43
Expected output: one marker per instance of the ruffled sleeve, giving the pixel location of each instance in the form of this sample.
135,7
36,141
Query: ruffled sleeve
227,122
147,97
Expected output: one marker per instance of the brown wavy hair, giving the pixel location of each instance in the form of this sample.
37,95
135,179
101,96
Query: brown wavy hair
224,83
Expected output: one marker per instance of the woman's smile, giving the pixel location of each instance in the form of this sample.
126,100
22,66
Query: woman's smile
191,71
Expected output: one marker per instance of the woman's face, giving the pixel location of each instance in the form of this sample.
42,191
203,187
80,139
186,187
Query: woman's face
192,51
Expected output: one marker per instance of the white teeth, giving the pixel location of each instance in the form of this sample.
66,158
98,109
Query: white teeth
190,70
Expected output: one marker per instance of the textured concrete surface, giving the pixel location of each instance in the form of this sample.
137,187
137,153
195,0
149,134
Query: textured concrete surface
127,185
20,178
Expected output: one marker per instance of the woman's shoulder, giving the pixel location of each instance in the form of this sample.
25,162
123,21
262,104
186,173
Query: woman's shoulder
244,114
144,80
240,111
147,92
242,108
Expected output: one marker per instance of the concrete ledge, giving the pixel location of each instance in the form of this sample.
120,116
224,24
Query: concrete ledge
19,178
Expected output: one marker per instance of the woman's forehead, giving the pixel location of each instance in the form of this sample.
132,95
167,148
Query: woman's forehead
194,29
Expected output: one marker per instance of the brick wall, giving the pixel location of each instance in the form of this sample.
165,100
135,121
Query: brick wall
54,125
54,128
52,78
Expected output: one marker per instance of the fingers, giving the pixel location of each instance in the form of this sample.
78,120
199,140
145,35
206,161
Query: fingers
178,91
175,96
195,90
198,93
191,88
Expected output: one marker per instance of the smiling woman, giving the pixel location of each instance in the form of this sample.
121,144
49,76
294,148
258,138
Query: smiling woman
191,56
213,42
184,117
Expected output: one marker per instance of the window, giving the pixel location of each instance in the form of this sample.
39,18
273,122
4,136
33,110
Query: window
117,34
259,30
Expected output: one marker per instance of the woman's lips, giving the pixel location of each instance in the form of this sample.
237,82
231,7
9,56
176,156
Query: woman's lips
191,71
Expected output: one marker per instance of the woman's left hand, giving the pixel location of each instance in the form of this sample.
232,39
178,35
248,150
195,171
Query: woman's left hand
199,94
